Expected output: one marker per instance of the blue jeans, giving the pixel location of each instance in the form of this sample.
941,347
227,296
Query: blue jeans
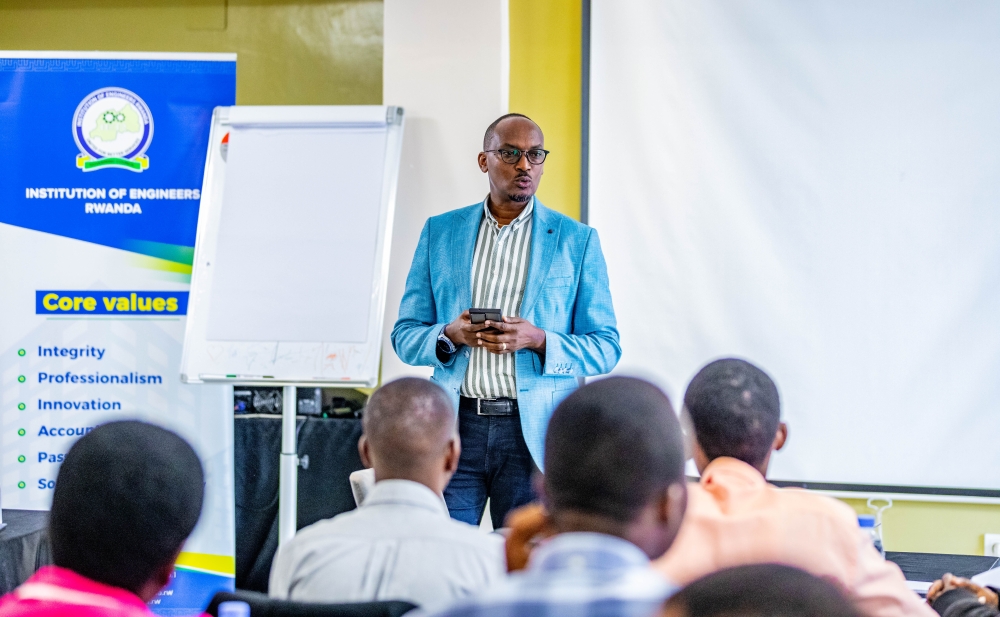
495,463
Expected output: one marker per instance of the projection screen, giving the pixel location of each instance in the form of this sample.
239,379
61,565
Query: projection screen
813,185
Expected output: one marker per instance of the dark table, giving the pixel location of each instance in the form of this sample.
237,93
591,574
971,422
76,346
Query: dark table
928,567
24,546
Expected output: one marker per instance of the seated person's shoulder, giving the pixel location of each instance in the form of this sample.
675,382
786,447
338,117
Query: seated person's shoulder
836,511
362,524
699,499
314,537
463,534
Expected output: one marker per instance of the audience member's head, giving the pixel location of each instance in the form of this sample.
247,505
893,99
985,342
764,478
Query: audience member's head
614,463
734,411
411,433
127,496
761,590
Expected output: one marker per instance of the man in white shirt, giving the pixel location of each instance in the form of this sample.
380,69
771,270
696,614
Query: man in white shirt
400,544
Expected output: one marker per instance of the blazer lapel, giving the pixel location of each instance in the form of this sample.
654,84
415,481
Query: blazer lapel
544,240
463,240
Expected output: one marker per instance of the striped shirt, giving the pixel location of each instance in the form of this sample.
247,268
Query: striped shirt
499,273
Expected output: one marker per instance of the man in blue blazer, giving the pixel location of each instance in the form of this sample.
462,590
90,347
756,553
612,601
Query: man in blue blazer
546,274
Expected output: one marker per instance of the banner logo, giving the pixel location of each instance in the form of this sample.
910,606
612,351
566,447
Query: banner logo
112,128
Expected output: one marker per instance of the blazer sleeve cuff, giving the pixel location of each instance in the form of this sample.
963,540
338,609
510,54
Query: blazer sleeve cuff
442,359
556,360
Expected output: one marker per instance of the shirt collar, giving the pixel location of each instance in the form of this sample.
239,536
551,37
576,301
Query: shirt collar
520,220
587,552
725,476
405,492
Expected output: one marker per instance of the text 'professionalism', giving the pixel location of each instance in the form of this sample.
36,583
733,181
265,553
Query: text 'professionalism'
124,378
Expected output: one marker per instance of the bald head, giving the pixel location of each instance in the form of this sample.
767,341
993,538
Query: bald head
491,130
410,429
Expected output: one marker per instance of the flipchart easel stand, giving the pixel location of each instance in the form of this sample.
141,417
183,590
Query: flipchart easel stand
288,470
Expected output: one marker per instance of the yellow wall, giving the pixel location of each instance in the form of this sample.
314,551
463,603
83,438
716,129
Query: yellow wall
294,53
928,527
545,50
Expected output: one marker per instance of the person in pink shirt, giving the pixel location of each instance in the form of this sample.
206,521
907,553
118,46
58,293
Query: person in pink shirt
127,496
735,517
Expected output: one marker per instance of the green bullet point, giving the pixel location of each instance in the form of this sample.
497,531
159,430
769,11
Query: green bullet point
21,432
21,485
21,406
21,459
21,352
20,378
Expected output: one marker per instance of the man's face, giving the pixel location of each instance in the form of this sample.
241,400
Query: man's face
518,181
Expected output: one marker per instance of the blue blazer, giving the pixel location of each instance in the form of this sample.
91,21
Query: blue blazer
566,295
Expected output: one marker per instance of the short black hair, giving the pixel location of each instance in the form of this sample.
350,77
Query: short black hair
735,410
491,130
407,421
762,590
611,446
127,496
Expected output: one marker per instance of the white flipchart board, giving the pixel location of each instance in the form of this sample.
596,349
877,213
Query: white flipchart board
291,258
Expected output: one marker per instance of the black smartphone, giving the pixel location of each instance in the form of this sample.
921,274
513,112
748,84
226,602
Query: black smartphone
481,315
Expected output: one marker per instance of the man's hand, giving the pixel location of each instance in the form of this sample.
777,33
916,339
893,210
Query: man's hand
515,333
949,582
462,331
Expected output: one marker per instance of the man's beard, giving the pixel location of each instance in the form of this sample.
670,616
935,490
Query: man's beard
519,198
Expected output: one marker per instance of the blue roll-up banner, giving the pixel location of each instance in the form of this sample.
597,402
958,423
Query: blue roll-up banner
101,163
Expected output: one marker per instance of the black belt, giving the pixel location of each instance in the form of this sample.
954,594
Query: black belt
488,406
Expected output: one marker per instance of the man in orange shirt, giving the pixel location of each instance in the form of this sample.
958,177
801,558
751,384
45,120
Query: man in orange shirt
734,517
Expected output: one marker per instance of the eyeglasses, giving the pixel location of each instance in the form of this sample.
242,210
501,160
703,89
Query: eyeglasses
513,156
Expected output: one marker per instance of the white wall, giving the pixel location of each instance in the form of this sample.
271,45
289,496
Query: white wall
447,63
